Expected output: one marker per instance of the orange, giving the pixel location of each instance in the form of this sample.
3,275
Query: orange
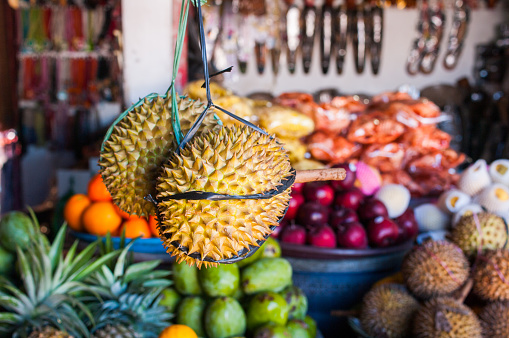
100,218
178,331
136,228
97,191
124,214
74,209
152,223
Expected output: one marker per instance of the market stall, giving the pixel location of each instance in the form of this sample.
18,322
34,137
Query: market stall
256,169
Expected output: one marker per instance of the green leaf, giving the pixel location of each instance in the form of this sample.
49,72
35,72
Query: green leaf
11,303
27,276
70,254
19,295
108,276
58,245
139,269
121,261
82,259
9,318
94,266
157,283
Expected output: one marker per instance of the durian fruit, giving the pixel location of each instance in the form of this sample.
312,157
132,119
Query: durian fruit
435,268
234,161
492,234
495,320
395,197
446,318
491,277
475,178
138,146
466,210
387,311
453,200
495,198
429,217
499,171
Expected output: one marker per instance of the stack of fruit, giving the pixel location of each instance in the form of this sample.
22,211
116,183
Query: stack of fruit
96,214
254,297
426,299
337,214
480,187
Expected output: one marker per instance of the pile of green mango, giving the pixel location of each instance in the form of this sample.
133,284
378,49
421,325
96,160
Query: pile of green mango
253,298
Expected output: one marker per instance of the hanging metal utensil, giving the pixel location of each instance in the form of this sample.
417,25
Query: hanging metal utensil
326,35
458,33
309,17
341,33
416,53
436,32
211,24
292,30
274,38
376,36
358,34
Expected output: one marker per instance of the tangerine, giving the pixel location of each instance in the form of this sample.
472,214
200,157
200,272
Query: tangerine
100,218
97,191
124,214
136,228
152,223
178,331
74,209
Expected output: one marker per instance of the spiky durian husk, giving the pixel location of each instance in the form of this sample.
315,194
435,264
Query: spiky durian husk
491,277
116,331
387,311
139,145
495,320
234,161
436,268
446,318
466,234
49,332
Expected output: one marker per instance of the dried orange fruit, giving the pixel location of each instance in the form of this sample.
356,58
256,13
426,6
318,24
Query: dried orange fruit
74,209
100,218
97,191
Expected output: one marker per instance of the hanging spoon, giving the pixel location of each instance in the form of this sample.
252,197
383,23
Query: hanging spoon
274,38
341,33
376,36
326,35
292,35
358,32
309,17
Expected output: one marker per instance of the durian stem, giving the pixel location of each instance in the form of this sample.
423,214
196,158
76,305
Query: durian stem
345,313
333,174
465,290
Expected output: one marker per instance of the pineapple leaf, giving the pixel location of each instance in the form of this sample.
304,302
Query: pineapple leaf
26,274
18,294
11,303
83,273
138,270
69,258
156,283
56,249
81,260
8,318
44,270
107,276
121,261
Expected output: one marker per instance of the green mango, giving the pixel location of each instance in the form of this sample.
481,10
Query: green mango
6,262
311,326
251,259
297,302
185,278
238,294
220,281
264,308
272,331
224,317
190,313
16,229
298,329
266,274
271,248
170,300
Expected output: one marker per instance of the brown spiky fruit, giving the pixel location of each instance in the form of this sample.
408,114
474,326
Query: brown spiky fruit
491,276
495,320
139,144
233,161
446,318
489,233
387,311
435,268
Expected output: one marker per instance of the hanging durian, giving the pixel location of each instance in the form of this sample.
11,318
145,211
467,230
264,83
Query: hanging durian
233,161
139,144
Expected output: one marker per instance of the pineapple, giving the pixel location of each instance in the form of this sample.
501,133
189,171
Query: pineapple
130,295
50,303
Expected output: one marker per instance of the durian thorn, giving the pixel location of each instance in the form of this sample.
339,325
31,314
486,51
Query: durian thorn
332,174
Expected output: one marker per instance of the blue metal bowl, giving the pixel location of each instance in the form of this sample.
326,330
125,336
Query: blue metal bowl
337,279
142,245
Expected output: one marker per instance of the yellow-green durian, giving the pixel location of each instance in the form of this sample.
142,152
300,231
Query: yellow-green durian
233,161
140,143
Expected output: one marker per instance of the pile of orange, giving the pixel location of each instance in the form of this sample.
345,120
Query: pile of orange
96,214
